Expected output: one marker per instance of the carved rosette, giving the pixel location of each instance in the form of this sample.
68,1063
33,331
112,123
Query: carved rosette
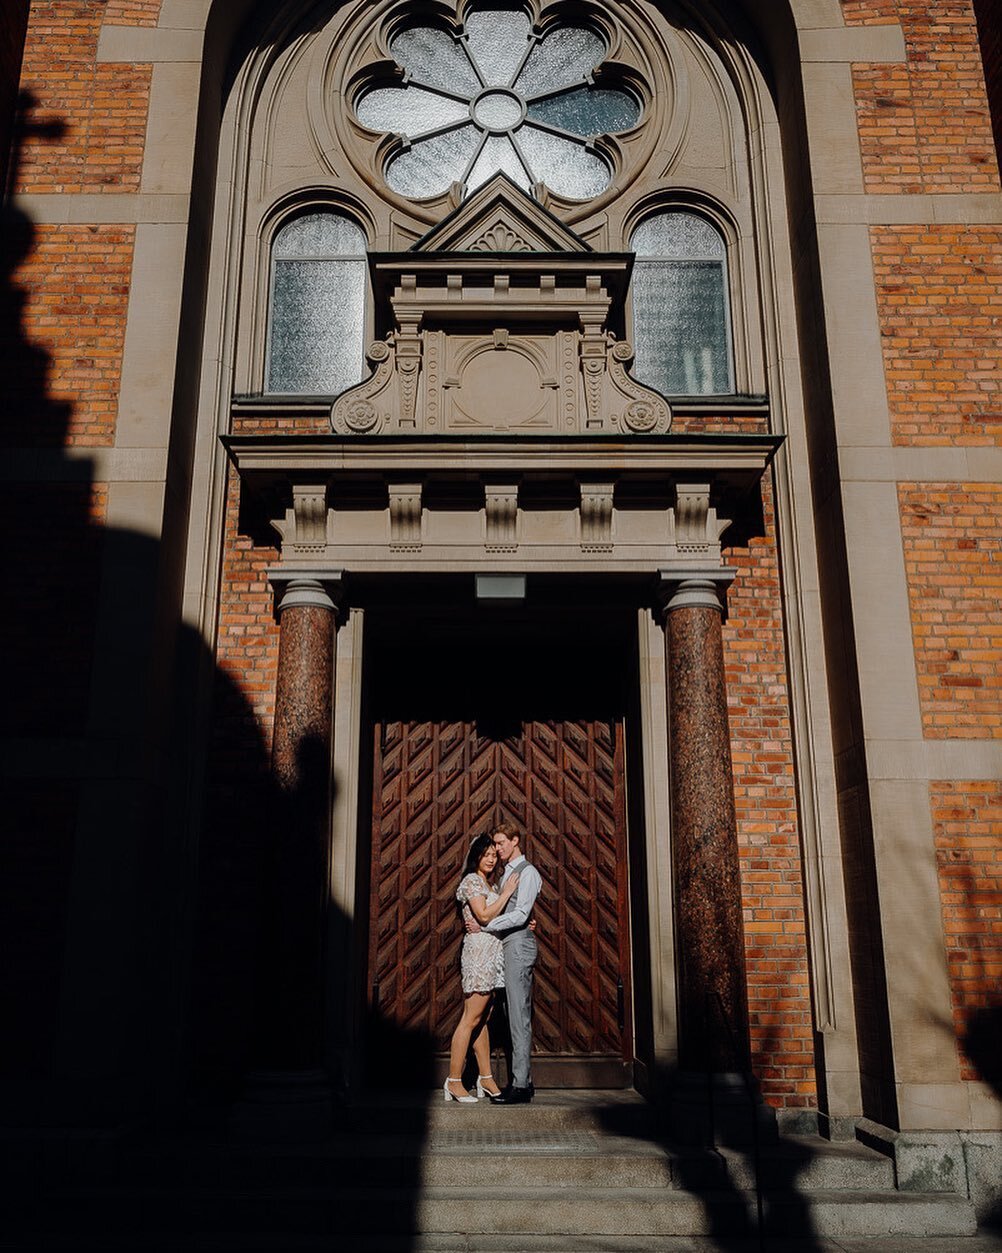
358,411
646,412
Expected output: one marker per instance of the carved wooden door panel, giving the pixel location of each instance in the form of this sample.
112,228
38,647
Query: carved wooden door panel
437,784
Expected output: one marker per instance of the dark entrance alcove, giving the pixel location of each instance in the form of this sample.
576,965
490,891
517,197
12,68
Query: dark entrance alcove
490,711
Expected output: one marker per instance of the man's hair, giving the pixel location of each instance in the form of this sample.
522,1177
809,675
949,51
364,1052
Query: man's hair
509,829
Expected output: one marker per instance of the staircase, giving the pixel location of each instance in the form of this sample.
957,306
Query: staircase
574,1170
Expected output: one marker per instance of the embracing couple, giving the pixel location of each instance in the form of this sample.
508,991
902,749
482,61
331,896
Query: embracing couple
499,952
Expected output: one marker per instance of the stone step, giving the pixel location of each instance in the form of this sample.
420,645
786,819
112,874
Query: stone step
559,1158
618,1111
538,1211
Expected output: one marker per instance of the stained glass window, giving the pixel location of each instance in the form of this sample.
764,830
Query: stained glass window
317,306
498,97
681,317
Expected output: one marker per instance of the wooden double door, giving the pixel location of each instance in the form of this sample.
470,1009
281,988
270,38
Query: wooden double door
440,780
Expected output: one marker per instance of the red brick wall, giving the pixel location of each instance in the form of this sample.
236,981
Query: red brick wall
952,549
779,997
939,292
926,125
77,283
968,824
132,12
102,107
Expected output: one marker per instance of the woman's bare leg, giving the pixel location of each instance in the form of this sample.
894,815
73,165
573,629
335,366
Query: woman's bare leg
482,1052
474,1008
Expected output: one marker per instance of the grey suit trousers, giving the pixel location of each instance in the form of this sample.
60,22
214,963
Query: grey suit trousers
520,951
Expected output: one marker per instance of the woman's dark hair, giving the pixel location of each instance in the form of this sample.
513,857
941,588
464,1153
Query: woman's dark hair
477,849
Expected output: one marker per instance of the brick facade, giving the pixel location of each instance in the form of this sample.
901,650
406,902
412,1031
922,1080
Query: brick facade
952,548
101,108
939,289
768,826
76,281
927,129
926,125
968,825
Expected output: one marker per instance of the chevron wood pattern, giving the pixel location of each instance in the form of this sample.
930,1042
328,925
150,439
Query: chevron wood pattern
437,784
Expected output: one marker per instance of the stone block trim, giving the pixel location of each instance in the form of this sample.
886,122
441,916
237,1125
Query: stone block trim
758,695
952,548
77,282
926,126
967,820
132,12
939,289
103,108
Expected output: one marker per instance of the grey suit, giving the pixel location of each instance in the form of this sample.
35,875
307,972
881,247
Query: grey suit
520,951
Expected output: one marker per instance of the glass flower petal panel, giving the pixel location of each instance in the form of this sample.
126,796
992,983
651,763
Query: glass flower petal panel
562,58
430,166
434,57
566,167
498,156
498,40
409,111
497,98
587,111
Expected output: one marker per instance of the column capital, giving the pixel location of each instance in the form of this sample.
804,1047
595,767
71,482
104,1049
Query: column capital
703,588
320,589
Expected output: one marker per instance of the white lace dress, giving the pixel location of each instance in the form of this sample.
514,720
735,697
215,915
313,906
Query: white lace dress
482,961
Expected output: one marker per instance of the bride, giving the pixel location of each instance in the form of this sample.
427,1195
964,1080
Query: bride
482,968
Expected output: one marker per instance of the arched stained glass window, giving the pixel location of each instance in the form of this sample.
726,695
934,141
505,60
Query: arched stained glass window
498,98
681,316
317,322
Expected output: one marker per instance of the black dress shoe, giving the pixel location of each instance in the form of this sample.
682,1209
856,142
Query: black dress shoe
513,1096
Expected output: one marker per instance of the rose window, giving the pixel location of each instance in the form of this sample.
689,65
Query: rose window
499,98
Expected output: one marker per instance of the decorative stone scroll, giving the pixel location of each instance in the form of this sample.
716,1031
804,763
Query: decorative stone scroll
501,324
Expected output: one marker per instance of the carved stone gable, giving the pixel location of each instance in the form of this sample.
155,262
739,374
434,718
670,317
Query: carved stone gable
500,217
501,323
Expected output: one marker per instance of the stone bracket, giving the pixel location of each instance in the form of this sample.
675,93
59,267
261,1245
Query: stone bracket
405,517
304,527
696,528
596,517
501,515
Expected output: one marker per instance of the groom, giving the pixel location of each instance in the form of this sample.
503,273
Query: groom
512,925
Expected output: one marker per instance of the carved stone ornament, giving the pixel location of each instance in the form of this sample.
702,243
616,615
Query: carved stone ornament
547,365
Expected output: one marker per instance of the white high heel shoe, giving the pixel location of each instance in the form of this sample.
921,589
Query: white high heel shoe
481,1090
451,1096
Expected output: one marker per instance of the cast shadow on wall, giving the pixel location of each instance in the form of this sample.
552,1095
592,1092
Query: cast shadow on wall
151,958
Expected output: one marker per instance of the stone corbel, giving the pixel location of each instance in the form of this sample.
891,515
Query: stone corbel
304,527
696,529
634,408
594,351
596,517
405,517
408,353
501,512
364,409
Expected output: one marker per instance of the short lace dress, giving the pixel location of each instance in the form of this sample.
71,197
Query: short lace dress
482,961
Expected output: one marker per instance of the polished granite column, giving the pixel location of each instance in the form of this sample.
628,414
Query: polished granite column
713,1008
301,767
289,1091
713,1001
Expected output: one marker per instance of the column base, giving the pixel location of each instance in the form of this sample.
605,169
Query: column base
724,1109
283,1106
